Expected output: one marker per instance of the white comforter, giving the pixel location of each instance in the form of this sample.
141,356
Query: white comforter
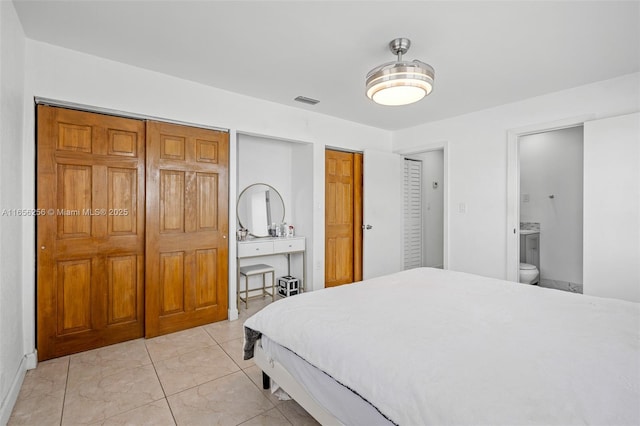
433,347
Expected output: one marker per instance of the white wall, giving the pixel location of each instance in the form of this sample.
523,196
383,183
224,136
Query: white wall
62,74
302,204
13,362
551,163
262,160
612,207
477,161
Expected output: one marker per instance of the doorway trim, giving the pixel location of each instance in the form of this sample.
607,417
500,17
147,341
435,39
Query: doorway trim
436,146
513,184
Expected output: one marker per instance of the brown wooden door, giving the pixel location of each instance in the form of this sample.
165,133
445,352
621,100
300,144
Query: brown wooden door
90,235
343,218
187,222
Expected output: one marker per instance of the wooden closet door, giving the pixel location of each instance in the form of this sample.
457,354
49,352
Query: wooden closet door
90,235
187,222
343,217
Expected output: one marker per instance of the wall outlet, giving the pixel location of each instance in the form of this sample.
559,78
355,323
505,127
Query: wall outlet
462,208
525,198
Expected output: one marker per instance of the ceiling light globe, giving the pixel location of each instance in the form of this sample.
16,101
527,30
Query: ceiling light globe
399,83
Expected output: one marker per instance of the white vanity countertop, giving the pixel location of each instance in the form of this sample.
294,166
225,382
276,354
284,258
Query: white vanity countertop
267,239
528,232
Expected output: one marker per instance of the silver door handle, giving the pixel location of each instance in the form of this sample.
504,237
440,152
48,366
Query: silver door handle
367,227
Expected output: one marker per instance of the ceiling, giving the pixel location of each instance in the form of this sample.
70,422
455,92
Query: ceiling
485,53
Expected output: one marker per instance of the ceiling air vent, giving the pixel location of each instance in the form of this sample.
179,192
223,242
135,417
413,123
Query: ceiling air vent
306,100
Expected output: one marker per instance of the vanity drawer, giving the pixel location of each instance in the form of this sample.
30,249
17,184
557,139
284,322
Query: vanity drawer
288,245
255,249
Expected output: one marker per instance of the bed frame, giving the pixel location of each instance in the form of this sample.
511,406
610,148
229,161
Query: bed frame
272,369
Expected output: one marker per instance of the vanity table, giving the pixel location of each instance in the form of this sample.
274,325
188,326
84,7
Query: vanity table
274,245
259,206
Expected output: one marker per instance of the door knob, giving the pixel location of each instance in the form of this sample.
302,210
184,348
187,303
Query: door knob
367,227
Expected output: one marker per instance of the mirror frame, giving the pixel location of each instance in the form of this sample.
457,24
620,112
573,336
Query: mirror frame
284,210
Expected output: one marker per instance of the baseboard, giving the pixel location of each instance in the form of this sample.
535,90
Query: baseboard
31,360
233,314
28,362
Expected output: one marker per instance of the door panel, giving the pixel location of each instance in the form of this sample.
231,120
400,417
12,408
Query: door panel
342,218
90,257
383,175
187,220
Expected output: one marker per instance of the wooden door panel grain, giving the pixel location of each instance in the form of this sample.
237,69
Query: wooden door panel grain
74,296
187,222
343,211
90,263
207,202
206,271
172,194
123,279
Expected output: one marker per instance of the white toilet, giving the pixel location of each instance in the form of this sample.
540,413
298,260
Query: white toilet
528,273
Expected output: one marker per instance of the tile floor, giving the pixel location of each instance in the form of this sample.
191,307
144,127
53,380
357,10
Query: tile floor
192,377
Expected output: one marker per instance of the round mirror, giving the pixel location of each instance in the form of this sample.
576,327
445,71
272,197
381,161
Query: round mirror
260,205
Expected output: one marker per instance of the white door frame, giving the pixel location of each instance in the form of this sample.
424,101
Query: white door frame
436,146
513,185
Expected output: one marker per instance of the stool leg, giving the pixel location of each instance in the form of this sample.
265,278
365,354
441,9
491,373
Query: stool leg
273,286
264,285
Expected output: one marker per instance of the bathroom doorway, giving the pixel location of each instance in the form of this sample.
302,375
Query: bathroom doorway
424,209
551,206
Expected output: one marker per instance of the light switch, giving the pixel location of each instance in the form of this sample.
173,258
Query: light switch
462,208
525,198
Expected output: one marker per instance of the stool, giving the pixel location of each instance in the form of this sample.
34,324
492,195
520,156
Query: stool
260,269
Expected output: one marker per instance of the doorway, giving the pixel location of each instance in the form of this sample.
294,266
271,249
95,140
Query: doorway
514,197
424,206
551,205
343,217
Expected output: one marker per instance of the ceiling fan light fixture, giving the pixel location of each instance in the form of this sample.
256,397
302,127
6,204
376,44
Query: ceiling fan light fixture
399,82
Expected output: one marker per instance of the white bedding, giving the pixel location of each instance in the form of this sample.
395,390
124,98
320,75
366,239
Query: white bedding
428,346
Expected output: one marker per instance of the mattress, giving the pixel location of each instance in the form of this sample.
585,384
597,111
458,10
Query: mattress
346,405
428,346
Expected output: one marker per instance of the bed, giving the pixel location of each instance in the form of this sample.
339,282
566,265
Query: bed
434,347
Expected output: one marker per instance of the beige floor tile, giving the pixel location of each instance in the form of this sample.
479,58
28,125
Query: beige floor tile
89,402
223,331
254,306
234,348
99,363
296,414
270,418
42,394
255,374
229,400
194,368
42,410
48,378
179,343
156,413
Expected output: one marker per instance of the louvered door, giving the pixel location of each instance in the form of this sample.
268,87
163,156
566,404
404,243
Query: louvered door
412,214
